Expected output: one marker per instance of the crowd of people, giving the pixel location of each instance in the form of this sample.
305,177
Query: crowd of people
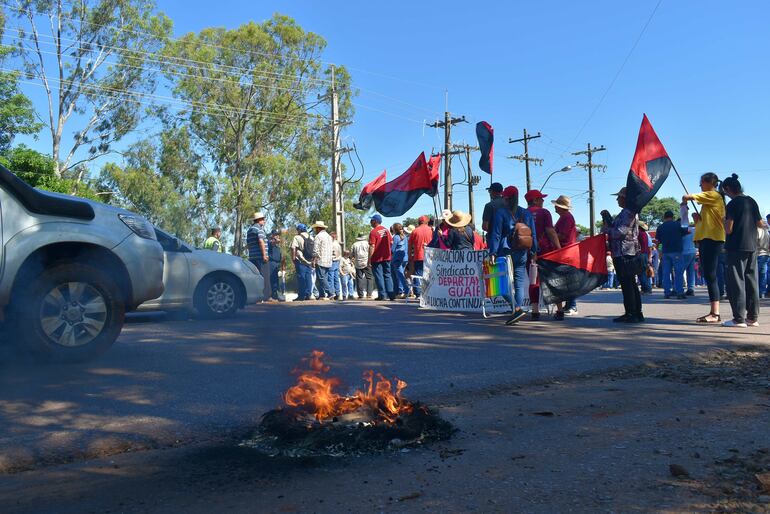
725,247
728,237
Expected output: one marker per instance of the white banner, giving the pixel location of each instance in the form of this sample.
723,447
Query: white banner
451,282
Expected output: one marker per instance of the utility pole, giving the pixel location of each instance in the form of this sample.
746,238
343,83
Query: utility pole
590,166
526,158
472,181
447,126
338,197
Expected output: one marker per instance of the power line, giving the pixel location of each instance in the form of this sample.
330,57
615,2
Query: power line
615,78
161,62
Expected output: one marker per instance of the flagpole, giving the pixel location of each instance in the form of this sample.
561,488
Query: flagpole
684,187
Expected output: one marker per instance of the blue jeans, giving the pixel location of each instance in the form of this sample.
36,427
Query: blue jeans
418,269
688,261
383,279
519,261
304,280
644,281
324,281
610,284
762,263
399,279
275,267
672,261
348,286
335,286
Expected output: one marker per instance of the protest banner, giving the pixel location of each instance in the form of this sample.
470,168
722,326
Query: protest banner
451,282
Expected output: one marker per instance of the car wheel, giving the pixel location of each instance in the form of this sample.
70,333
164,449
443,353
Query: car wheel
70,313
217,297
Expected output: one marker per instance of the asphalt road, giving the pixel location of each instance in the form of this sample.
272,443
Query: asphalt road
170,382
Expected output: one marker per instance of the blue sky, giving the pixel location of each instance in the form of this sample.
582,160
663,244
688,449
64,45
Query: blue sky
698,72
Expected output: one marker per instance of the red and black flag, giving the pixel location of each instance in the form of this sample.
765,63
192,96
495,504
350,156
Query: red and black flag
649,169
365,198
486,137
574,270
396,197
434,164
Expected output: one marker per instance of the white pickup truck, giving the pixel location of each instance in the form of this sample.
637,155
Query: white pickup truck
70,268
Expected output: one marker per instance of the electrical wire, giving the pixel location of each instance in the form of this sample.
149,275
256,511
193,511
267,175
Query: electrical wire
617,74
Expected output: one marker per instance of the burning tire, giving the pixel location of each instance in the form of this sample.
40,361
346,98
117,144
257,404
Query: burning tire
217,297
69,313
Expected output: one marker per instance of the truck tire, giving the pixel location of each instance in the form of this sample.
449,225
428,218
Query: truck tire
216,297
71,312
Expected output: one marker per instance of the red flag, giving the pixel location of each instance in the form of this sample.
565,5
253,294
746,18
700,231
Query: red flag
649,168
574,270
434,164
365,198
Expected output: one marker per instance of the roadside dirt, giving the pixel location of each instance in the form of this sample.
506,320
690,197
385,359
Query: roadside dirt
678,436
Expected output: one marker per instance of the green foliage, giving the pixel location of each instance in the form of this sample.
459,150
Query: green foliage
39,170
161,179
251,91
101,56
652,214
17,115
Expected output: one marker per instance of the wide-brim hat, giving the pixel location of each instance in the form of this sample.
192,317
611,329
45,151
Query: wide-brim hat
319,224
458,219
643,226
409,229
621,192
563,202
361,237
258,216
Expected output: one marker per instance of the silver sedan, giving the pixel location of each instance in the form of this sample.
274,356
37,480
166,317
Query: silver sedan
210,284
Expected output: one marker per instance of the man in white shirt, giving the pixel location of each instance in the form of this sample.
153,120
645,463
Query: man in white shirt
322,258
360,257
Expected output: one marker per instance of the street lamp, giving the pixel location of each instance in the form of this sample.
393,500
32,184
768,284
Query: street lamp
563,170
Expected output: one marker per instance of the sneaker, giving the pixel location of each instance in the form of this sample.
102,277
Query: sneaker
621,319
690,292
734,324
752,323
517,315
558,316
571,312
635,319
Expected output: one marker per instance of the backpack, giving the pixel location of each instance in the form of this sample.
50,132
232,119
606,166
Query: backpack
307,248
521,236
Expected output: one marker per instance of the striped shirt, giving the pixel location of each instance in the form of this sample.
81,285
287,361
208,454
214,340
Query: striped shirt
253,236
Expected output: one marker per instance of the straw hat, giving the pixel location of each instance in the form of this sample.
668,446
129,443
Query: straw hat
643,226
458,219
446,213
319,224
409,229
563,202
258,216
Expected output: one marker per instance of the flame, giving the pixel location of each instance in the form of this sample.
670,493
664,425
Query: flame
315,393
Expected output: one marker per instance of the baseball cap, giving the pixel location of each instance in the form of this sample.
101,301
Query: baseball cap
510,191
534,194
422,219
376,218
302,227
495,187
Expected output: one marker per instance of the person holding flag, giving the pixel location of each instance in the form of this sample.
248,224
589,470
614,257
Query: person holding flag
710,236
623,235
